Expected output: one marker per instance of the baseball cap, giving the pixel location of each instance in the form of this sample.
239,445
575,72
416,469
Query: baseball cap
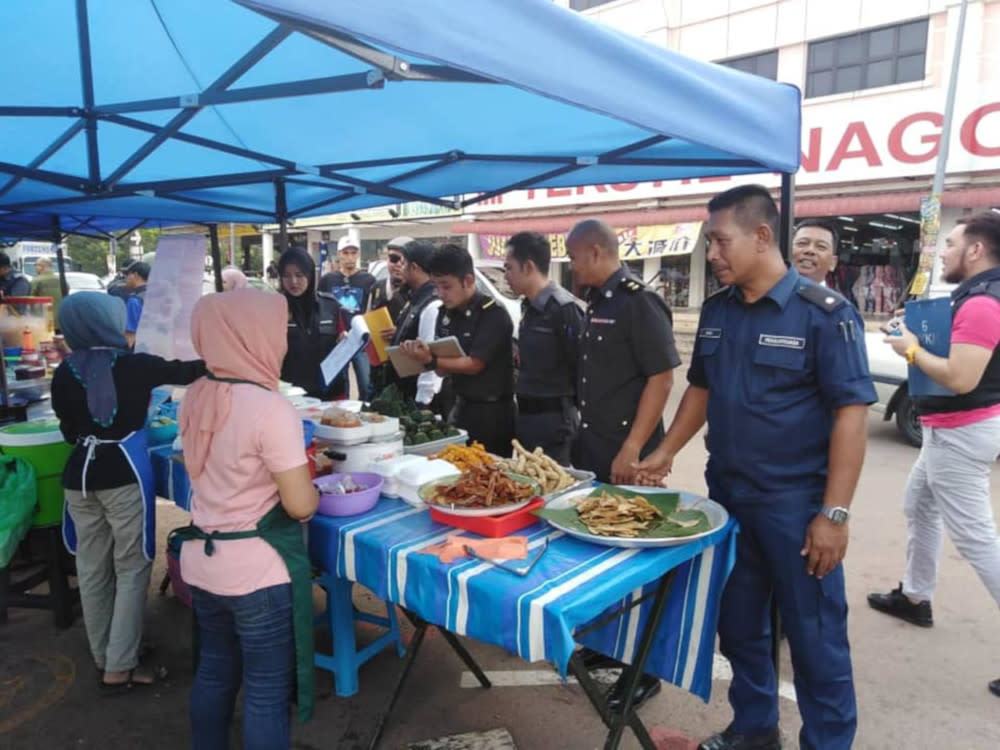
345,241
399,242
140,268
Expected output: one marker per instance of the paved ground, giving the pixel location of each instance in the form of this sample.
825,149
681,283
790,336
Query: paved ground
917,688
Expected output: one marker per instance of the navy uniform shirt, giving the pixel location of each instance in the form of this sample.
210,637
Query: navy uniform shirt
775,371
486,332
548,342
627,338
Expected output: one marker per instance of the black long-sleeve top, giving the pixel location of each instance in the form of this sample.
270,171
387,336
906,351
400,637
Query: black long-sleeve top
135,375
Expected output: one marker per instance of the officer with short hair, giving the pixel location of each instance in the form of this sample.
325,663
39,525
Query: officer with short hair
780,374
483,379
627,357
548,347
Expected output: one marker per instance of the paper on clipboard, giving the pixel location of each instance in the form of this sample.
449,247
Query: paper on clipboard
356,339
406,366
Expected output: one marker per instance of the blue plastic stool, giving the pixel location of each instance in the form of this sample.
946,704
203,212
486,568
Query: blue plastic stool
340,616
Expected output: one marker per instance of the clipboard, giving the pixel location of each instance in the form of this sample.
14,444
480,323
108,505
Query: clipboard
406,366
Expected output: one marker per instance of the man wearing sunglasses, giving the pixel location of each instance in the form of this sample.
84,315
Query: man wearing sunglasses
393,292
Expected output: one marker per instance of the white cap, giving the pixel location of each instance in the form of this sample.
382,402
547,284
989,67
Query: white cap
345,241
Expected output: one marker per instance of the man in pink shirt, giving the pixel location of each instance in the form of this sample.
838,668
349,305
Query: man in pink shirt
949,485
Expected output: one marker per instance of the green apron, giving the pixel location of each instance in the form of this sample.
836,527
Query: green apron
284,534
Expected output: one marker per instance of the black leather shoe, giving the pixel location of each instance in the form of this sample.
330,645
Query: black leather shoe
649,685
995,687
730,740
897,604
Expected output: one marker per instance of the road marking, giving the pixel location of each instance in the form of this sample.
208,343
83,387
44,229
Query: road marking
493,739
721,670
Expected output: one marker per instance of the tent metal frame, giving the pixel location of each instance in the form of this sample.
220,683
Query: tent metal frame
98,186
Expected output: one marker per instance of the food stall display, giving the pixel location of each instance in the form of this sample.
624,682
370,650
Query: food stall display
31,350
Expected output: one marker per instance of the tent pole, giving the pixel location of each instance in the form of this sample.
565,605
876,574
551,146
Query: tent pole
213,234
787,209
57,239
281,212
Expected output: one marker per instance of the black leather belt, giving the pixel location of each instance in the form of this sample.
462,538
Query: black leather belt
540,404
485,400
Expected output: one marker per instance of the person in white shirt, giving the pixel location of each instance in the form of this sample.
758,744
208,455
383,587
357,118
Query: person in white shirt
814,249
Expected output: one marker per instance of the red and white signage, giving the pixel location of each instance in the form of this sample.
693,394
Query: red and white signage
861,140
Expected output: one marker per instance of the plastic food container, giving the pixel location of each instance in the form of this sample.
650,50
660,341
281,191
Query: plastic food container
334,503
344,435
426,449
410,478
380,426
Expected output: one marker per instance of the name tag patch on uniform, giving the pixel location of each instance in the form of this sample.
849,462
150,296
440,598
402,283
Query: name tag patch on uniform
603,321
783,342
710,333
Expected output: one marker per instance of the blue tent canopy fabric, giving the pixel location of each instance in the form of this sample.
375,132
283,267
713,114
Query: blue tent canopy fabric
268,110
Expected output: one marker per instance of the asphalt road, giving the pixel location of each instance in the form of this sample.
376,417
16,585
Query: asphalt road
916,688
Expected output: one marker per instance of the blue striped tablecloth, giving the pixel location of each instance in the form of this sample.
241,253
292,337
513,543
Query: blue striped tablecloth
535,617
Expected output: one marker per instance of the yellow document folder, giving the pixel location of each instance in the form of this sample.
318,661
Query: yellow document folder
378,321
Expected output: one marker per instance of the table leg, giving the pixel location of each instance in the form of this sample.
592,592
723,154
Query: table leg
457,647
411,656
635,671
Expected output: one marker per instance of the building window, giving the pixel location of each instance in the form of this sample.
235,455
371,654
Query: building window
586,4
866,59
763,64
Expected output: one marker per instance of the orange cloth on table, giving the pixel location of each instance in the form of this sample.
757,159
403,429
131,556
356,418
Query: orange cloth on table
505,548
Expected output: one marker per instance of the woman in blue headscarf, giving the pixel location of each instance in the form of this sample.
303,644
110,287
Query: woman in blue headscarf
101,394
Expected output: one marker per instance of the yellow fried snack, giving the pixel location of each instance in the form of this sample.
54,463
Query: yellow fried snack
612,515
465,457
535,464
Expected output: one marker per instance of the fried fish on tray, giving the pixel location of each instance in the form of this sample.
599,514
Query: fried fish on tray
482,487
614,515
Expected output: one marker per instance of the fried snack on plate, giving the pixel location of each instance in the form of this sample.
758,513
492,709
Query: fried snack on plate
482,487
614,515
465,457
535,464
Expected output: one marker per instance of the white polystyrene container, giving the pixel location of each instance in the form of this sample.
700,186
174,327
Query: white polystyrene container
389,468
411,477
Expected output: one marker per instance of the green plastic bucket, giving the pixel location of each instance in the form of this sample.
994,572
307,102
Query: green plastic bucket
41,444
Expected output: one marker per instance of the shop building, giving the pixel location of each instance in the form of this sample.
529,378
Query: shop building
874,76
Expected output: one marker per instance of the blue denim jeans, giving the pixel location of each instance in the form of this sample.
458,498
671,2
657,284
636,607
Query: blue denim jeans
246,641
363,373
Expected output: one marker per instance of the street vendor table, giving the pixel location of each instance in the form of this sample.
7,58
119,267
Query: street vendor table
657,608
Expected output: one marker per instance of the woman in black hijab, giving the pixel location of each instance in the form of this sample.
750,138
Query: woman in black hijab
315,323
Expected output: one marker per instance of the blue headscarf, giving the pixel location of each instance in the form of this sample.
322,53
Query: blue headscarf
94,326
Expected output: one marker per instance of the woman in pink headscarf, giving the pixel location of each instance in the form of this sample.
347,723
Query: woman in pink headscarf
233,279
244,555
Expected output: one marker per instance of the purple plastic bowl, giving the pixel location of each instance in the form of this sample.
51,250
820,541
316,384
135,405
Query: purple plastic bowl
353,503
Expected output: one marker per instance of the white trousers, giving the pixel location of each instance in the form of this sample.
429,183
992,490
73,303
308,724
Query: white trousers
949,487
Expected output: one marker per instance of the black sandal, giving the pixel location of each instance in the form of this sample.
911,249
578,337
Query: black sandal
109,689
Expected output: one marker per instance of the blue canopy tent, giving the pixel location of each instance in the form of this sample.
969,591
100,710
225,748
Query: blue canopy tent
207,111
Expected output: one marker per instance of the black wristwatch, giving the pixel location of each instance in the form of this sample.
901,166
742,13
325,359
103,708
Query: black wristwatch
433,364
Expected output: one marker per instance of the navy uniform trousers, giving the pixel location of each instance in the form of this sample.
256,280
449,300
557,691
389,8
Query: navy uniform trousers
814,617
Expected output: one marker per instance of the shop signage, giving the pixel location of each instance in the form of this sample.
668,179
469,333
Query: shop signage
848,141
634,243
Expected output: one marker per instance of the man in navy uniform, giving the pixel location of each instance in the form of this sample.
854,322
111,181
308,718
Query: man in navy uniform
780,373
547,343
483,379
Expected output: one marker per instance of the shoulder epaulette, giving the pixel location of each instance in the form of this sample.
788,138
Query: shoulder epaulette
488,303
563,297
824,298
631,285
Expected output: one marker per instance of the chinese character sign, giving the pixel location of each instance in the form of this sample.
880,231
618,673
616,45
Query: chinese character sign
634,243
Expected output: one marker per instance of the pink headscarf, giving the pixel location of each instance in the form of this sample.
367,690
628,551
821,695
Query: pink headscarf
235,278
242,336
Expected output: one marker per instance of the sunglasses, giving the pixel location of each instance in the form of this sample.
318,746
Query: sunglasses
394,258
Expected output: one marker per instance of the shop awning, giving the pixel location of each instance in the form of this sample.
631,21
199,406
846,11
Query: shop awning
874,203
207,111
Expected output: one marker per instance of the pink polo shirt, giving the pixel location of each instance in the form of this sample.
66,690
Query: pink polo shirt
977,322
262,436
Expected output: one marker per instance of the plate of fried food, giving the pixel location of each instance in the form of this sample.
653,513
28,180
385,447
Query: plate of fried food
551,477
480,490
634,516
